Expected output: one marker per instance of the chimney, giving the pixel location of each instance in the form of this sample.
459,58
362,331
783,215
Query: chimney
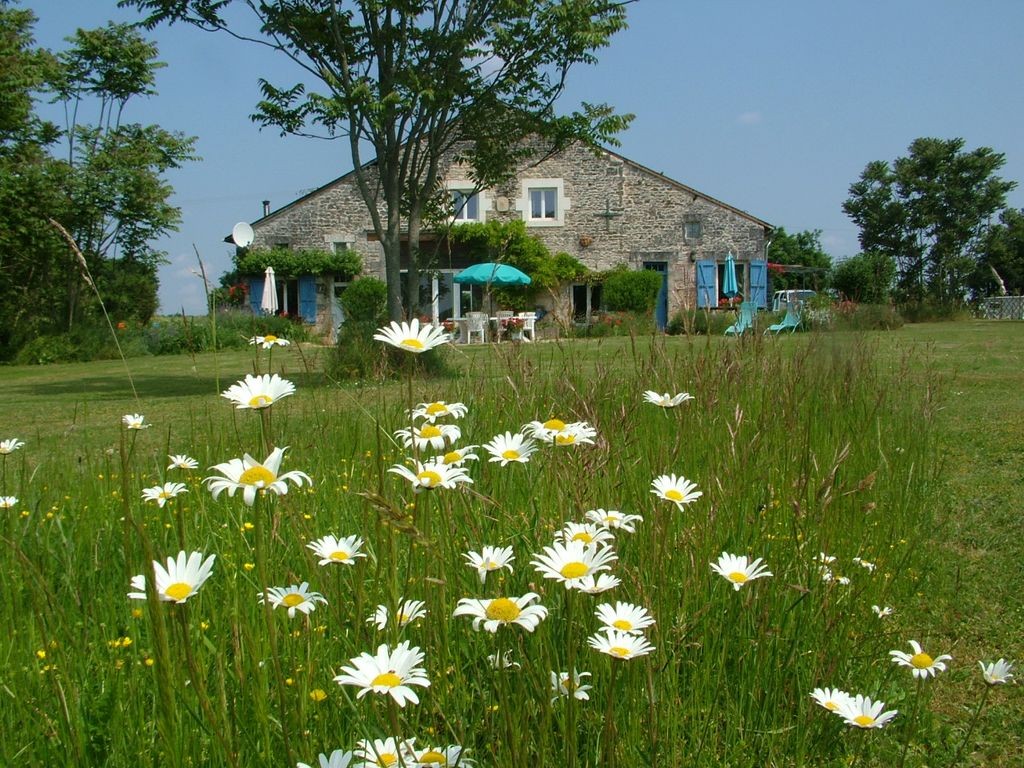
266,207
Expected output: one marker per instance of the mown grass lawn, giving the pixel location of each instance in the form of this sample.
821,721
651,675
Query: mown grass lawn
902,448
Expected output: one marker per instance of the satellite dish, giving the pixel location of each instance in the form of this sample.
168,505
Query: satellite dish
242,234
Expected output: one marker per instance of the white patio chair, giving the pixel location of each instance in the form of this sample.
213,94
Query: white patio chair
476,323
529,321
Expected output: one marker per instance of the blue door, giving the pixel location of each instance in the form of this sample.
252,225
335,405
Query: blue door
707,284
661,305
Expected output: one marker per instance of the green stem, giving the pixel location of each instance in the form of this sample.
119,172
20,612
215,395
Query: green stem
608,738
970,728
570,730
912,727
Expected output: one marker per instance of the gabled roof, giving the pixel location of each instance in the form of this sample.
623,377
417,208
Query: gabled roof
642,168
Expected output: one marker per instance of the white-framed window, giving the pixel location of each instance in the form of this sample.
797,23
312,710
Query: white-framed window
543,202
466,205
341,246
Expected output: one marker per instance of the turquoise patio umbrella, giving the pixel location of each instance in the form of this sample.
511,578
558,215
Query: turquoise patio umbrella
730,288
490,273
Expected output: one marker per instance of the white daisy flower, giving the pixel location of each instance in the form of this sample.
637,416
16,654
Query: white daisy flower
412,337
10,446
387,672
736,570
577,433
678,490
573,560
258,391
252,477
502,611
831,699
161,493
437,410
134,421
429,436
921,665
595,585
996,673
181,461
337,759
563,684
504,661
432,475
385,753
490,559
666,400
510,447
612,518
297,597
588,533
269,341
408,612
181,579
331,549
544,431
862,712
442,757
883,613
866,565
456,457
8,502
829,577
825,559
625,617
620,645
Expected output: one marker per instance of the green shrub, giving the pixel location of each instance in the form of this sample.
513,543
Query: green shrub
366,300
930,312
849,316
699,322
631,290
43,350
357,356
616,324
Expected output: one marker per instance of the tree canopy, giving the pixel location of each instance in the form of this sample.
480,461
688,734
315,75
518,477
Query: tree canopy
422,83
802,249
929,212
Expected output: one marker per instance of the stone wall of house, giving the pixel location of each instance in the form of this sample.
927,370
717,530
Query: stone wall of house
613,212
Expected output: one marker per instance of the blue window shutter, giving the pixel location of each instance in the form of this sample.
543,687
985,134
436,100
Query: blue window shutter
255,294
307,298
759,283
707,288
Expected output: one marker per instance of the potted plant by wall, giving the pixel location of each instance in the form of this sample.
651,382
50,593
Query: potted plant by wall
513,326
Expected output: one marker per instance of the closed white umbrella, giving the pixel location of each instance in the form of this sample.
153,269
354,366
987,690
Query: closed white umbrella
269,302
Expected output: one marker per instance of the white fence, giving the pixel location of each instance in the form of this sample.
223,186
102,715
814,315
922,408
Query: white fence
1002,308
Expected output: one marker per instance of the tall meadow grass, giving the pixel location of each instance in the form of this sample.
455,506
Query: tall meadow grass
798,451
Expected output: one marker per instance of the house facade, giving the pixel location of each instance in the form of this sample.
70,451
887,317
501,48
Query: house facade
598,206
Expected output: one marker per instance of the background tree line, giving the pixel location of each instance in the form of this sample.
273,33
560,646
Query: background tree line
99,175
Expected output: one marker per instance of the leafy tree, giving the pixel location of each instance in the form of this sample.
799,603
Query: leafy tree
416,80
928,211
802,249
866,277
631,290
1001,258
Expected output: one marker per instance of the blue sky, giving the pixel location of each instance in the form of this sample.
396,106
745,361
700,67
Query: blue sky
773,107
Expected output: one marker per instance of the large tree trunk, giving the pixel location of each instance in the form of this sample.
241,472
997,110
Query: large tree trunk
413,278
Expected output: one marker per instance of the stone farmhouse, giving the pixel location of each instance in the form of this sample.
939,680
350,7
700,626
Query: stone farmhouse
600,207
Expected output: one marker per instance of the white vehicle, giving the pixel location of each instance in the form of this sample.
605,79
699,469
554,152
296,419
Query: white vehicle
782,298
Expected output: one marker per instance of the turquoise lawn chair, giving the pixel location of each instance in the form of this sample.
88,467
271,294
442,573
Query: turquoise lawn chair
790,322
746,319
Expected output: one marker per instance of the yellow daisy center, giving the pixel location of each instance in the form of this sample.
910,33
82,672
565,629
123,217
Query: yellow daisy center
433,756
503,609
339,555
510,455
618,651
565,439
270,339
430,431
164,495
622,624
673,495
452,456
554,424
178,591
489,565
258,475
921,660
386,679
864,720
738,577
831,706
428,479
387,758
293,599
412,344
435,408
574,570
260,401
583,536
